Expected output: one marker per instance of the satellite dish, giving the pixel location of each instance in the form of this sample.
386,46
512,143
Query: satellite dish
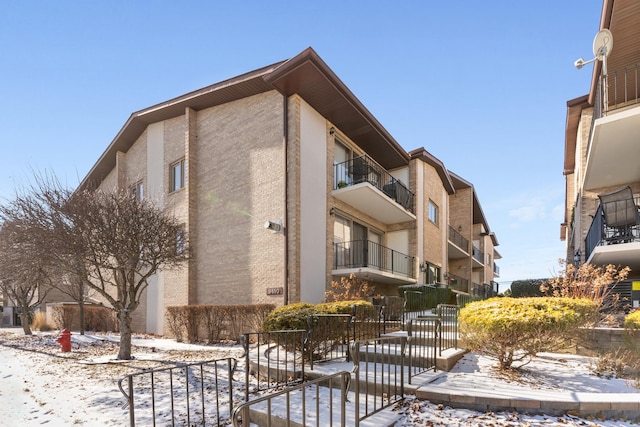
602,44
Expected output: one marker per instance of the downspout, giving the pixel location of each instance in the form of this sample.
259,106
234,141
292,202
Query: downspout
285,108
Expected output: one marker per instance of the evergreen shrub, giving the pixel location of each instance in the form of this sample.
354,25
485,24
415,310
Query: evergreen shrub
632,320
516,329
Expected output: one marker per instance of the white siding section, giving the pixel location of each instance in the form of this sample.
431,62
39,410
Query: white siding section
399,241
154,190
401,174
313,204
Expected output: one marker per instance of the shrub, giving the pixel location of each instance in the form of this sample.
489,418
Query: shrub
527,288
588,281
632,321
40,323
424,297
215,322
515,329
349,289
289,317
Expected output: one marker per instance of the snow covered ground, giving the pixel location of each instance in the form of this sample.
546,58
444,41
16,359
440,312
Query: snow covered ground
39,385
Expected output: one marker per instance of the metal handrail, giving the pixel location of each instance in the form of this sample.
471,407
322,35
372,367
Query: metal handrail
375,365
170,382
242,413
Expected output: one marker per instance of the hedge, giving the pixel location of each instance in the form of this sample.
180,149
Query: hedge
215,322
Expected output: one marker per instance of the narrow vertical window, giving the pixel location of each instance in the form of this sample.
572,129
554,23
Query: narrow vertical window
137,190
177,175
433,212
181,241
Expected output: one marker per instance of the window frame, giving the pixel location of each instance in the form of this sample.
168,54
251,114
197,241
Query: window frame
176,185
435,218
137,190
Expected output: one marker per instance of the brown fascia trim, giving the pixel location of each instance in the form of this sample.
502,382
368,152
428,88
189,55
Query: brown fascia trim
309,55
430,159
138,121
478,213
574,112
605,22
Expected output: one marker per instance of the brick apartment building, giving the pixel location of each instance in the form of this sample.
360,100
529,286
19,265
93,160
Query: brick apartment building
284,182
601,224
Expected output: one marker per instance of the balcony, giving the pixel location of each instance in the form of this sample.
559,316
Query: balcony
606,244
458,283
614,129
496,270
478,258
367,186
367,259
458,245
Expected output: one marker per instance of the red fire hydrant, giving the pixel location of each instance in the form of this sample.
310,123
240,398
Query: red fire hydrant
65,340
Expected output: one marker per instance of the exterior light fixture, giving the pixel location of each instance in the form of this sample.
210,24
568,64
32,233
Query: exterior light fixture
274,226
577,257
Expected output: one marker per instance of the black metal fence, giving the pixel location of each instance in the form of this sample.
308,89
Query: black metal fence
329,337
275,358
319,402
198,393
423,339
379,374
448,315
367,322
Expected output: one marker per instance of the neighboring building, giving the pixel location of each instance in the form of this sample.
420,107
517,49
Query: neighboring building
602,151
284,182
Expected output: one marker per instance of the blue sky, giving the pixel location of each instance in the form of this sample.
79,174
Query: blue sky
481,85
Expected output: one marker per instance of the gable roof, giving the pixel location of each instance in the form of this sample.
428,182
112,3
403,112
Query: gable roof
305,74
433,161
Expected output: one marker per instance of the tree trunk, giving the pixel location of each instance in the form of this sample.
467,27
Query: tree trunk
24,319
124,321
81,315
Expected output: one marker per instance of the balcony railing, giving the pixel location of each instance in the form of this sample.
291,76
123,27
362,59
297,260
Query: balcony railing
478,255
458,239
496,269
601,234
365,169
621,90
458,283
365,253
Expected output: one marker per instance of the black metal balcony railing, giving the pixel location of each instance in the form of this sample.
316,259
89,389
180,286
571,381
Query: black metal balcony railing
496,269
365,253
365,169
458,239
478,255
458,283
601,234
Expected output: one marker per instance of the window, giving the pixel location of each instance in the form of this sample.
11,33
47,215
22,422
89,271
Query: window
433,212
177,175
431,273
181,241
137,190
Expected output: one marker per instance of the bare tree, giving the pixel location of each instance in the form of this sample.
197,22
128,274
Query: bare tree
23,276
110,242
124,243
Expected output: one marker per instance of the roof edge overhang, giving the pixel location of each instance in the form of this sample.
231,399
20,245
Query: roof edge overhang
574,112
244,85
437,164
308,76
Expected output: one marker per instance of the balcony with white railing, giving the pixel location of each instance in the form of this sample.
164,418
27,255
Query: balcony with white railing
613,150
367,186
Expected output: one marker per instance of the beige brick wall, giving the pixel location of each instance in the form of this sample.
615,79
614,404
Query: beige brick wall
240,185
461,219
433,242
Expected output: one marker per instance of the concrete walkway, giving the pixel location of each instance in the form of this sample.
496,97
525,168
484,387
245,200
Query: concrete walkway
437,389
